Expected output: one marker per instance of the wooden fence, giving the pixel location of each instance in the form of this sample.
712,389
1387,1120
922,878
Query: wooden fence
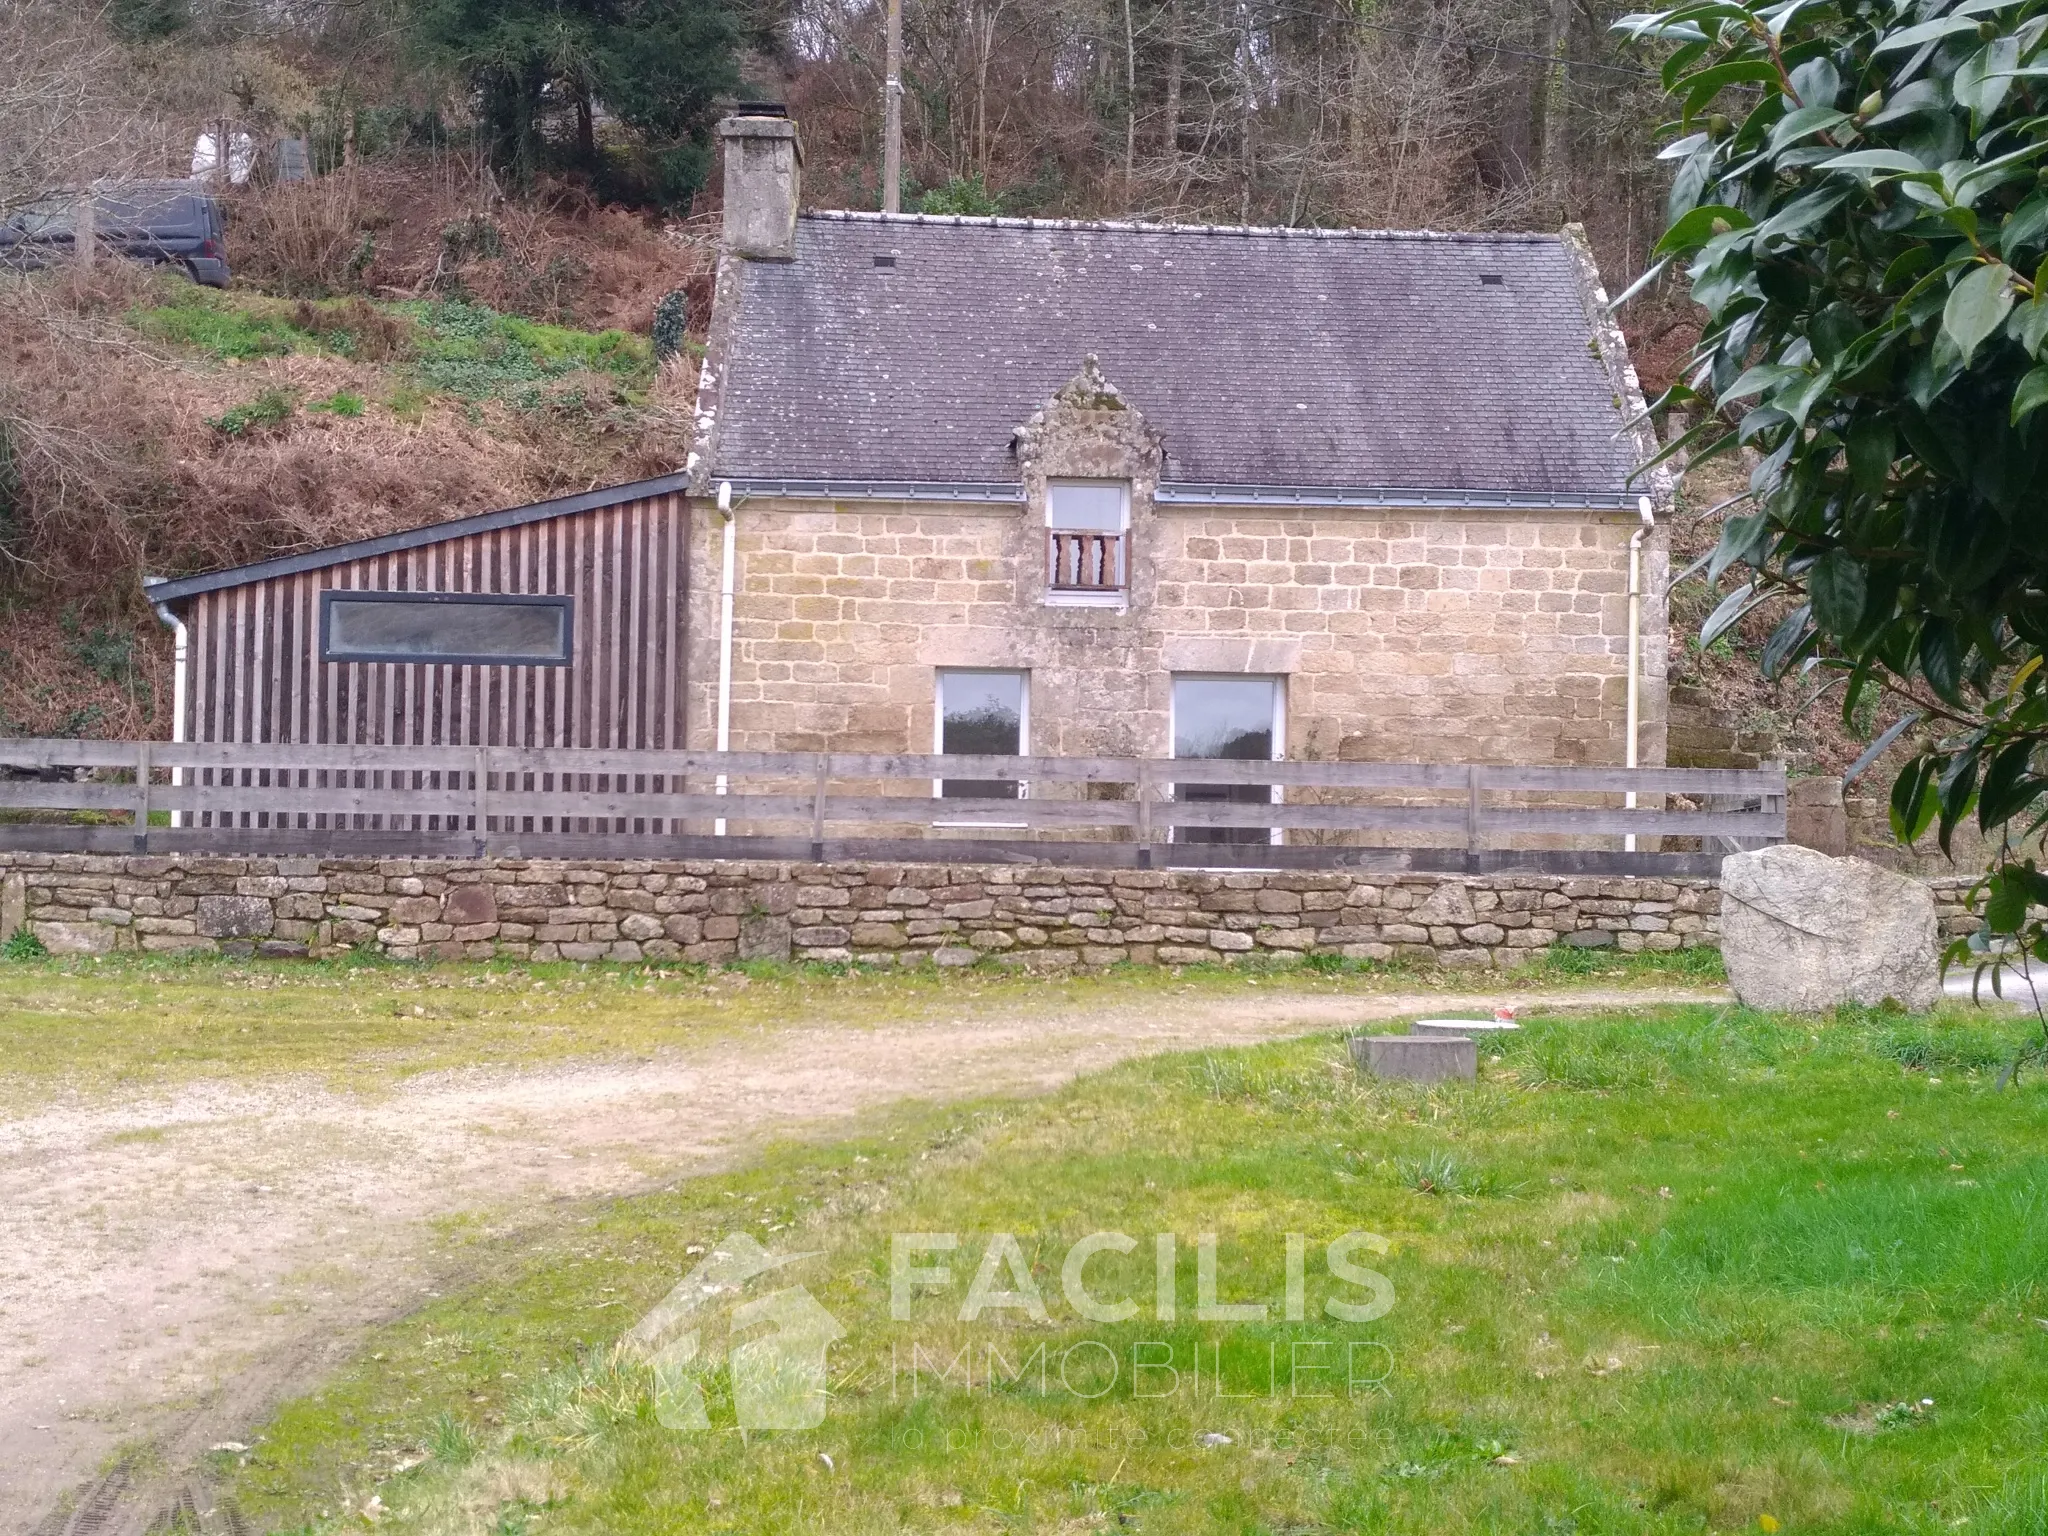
470,801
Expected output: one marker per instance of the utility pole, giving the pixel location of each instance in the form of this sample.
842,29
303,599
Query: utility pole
892,115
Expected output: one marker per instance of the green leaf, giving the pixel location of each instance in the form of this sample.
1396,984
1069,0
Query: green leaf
2031,395
1678,149
1913,800
1804,122
1871,447
1733,609
1702,86
1802,213
2024,226
1742,542
1655,271
1798,402
1696,228
1981,81
1941,659
2029,323
1689,183
2005,904
1926,32
1759,380
1834,329
1837,588
1958,792
1817,82
1907,266
1873,160
1878,748
2008,787
1909,101
1787,640
1977,306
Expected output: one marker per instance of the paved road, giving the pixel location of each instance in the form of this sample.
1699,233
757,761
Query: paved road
2013,985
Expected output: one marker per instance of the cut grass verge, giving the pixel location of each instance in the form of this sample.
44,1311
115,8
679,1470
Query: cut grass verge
123,1023
1661,1271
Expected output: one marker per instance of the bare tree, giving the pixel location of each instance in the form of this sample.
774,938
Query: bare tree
70,112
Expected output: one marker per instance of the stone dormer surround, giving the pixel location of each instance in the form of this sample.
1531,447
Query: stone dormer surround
1089,431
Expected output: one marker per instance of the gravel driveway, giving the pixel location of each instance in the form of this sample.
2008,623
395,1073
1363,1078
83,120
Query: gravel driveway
173,1266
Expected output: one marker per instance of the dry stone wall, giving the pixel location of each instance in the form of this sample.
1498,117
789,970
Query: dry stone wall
717,911
1039,918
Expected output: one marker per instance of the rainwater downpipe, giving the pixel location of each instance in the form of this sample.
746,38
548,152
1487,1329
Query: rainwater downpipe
179,655
725,638
1635,647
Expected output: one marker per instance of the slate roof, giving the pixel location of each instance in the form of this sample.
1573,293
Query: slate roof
1268,357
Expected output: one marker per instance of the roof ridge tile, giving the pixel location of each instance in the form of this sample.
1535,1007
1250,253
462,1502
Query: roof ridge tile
1148,227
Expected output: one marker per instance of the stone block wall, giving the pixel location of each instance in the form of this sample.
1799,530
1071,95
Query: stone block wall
717,911
707,911
1450,636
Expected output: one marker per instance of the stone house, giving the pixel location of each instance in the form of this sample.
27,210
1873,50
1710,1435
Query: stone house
1011,485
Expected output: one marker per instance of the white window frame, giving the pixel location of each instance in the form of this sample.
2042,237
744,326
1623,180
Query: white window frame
1275,836
939,676
1119,598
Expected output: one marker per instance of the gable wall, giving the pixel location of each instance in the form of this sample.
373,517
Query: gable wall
1443,636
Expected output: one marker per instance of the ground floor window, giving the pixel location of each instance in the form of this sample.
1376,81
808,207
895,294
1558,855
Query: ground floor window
1230,718
986,713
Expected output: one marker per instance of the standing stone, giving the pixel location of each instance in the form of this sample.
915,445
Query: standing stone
13,905
1802,932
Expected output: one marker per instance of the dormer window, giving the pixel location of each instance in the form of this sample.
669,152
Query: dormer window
1087,536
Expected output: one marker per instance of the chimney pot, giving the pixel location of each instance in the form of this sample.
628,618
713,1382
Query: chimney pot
763,182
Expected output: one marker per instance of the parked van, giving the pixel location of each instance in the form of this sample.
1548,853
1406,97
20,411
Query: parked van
165,223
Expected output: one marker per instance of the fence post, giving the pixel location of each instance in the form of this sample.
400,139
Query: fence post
824,772
1472,817
1144,794
142,771
483,835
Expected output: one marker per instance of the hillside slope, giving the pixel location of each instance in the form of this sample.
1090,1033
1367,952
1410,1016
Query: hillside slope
160,428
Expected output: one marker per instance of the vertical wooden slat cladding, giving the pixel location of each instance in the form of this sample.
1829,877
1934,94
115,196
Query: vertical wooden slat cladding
257,676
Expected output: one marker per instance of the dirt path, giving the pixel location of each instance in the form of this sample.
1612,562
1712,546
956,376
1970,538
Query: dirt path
170,1268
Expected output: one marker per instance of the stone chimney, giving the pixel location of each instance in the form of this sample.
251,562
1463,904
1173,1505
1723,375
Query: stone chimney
763,181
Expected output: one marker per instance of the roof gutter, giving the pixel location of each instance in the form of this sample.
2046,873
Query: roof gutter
878,490
1190,494
1193,494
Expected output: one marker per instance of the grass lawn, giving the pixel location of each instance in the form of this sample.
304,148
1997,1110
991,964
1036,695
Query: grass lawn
129,1023
1674,1270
